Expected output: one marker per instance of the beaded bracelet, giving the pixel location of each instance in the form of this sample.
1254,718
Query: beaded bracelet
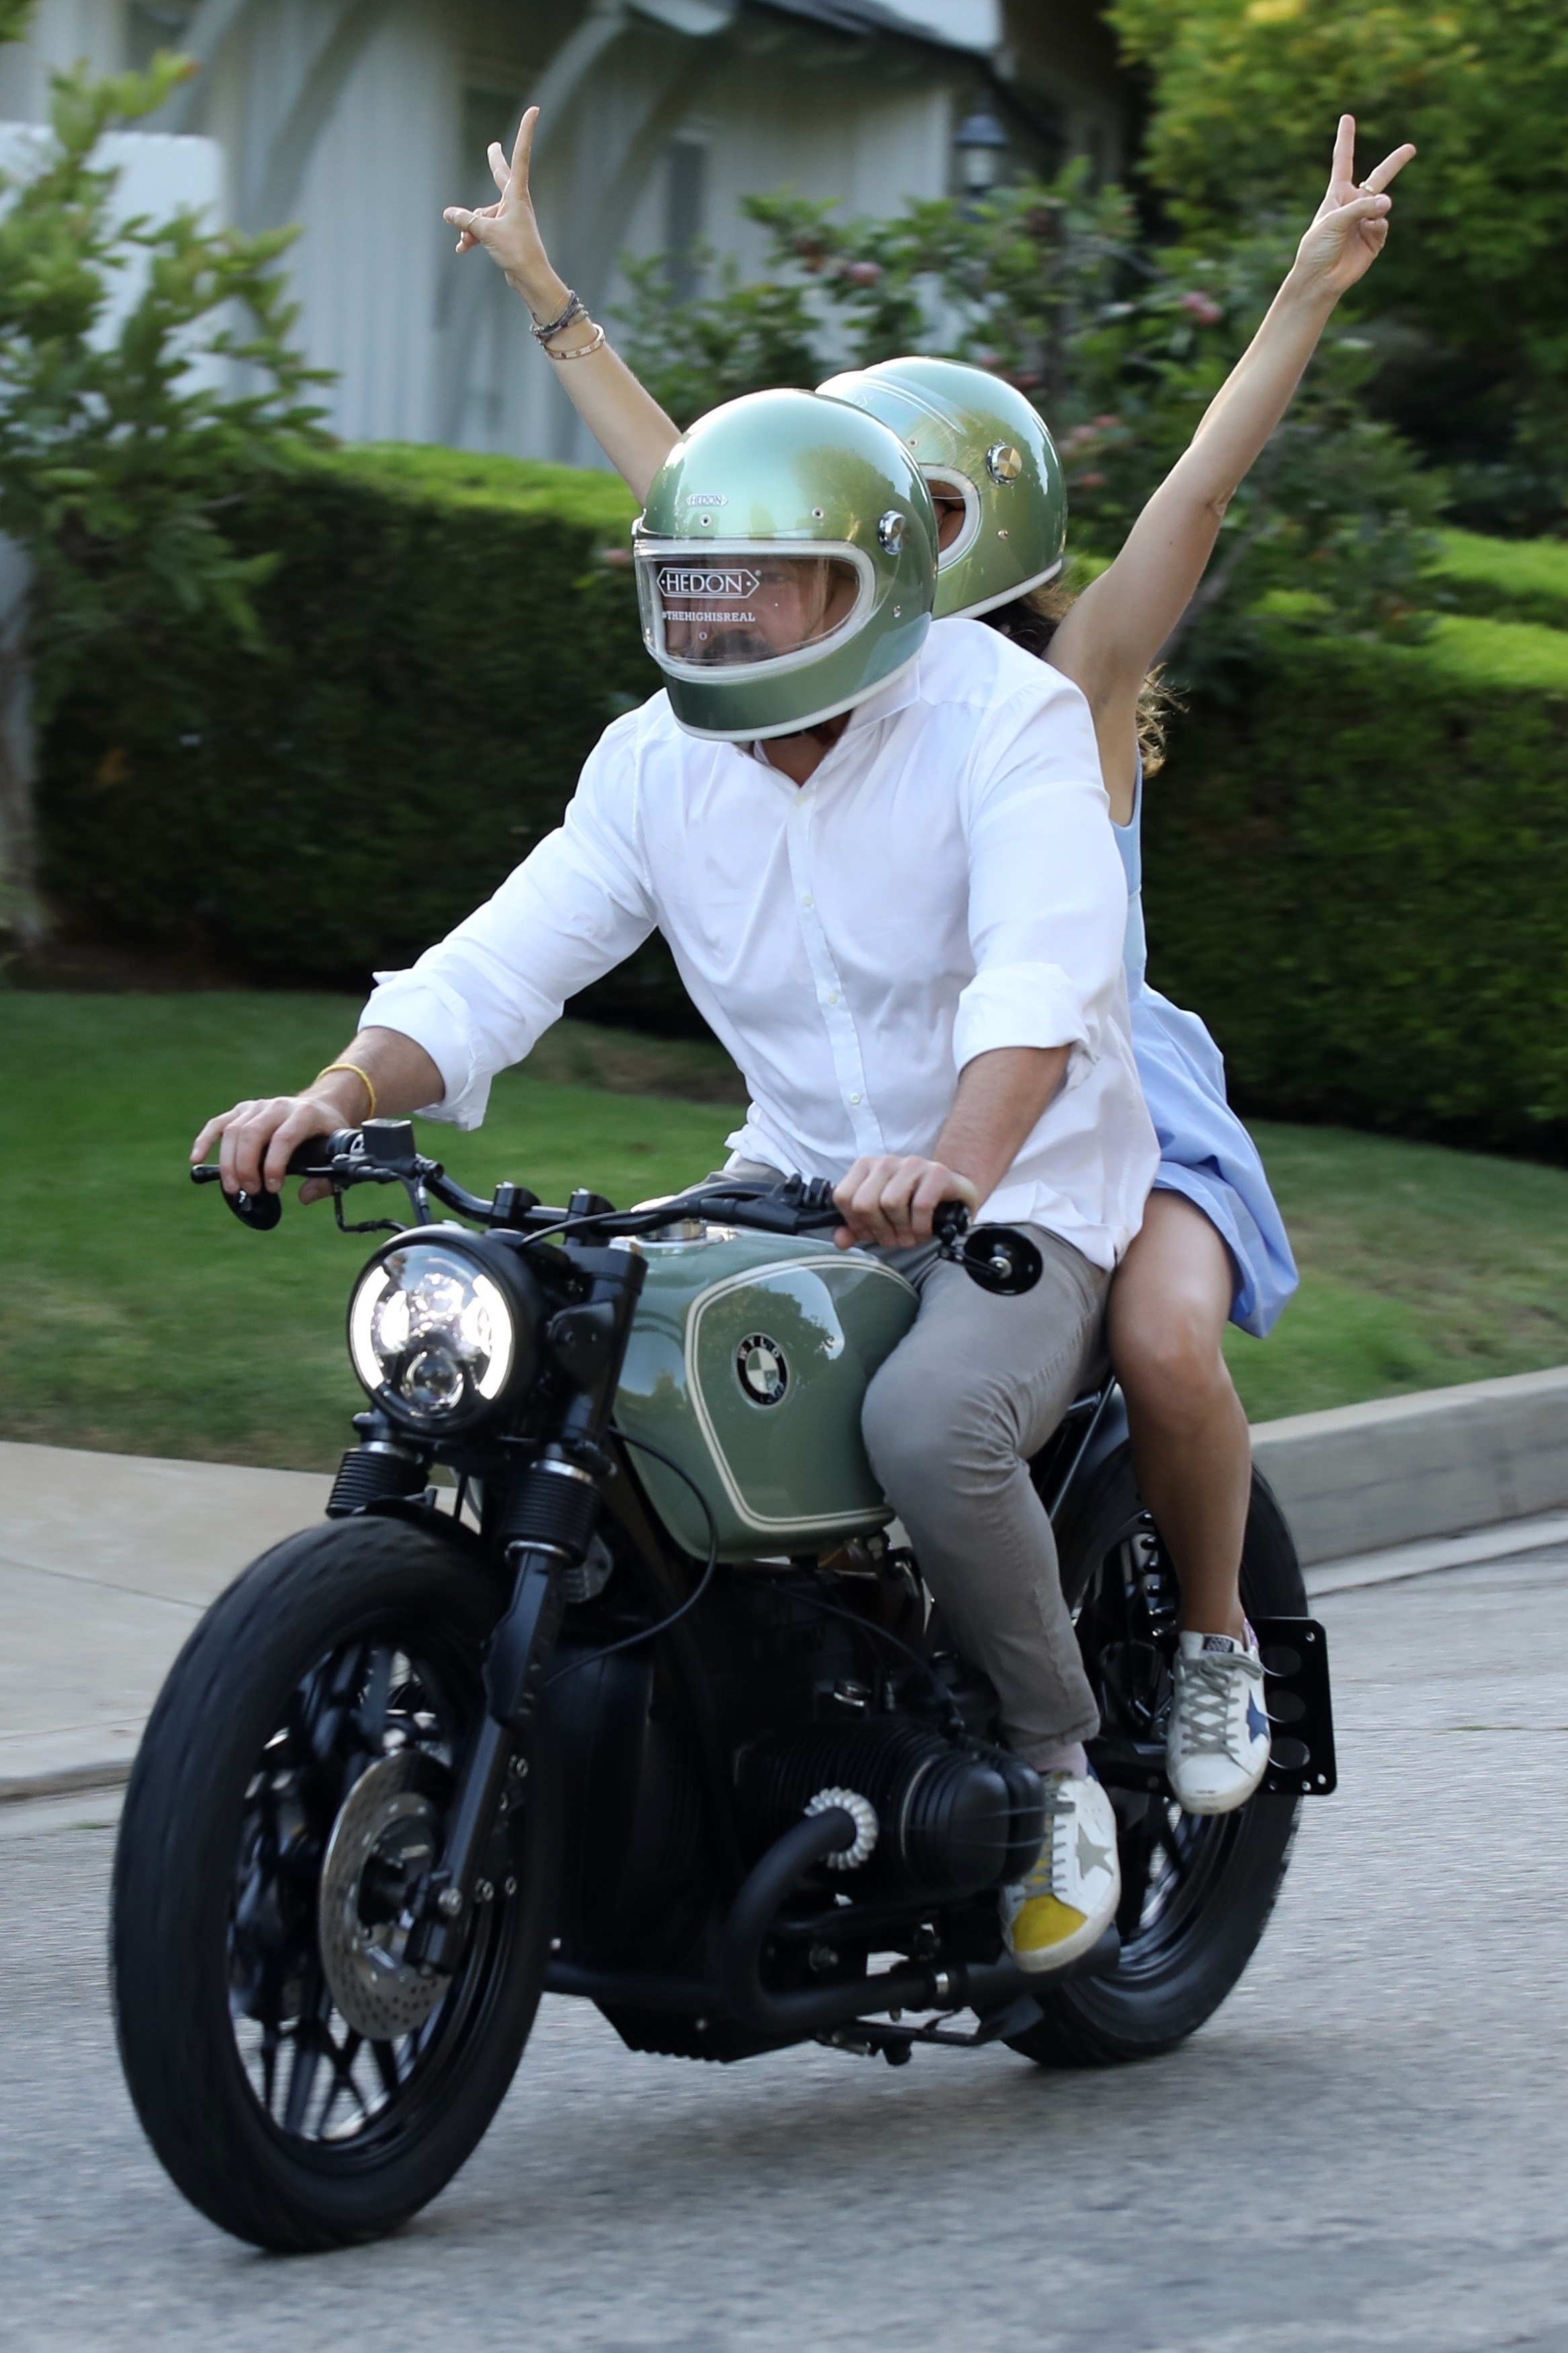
569,318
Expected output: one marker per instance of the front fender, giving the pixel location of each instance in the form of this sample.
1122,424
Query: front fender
445,1524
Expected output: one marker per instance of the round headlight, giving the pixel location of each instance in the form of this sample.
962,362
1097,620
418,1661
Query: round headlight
435,1331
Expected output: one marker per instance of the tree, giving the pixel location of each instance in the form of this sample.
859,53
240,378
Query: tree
1121,348
119,462
1245,96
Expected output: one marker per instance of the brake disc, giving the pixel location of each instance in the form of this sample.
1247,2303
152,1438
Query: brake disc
390,1822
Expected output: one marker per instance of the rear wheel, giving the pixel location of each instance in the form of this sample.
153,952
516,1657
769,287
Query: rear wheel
1196,1890
303,2082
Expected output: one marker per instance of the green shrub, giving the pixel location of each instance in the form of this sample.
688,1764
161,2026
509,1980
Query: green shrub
443,641
1516,579
1357,868
1358,876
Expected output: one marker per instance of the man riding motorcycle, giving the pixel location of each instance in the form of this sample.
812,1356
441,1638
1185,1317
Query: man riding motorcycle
881,855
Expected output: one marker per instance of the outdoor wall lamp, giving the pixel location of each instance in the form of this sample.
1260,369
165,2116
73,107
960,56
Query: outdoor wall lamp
981,142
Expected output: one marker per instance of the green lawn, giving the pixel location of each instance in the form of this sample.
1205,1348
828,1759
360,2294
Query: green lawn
135,1314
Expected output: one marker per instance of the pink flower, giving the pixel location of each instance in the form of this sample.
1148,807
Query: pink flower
1092,482
1106,424
1202,307
864,273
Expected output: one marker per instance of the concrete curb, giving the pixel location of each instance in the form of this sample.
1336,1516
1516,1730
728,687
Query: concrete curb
112,1774
1363,1478
1510,1542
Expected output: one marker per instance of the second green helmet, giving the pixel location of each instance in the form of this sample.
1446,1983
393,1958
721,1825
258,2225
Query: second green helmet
786,565
990,464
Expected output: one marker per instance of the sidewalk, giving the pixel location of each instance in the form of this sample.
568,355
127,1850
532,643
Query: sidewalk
106,1563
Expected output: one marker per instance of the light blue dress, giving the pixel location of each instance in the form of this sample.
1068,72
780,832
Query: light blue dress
1205,1151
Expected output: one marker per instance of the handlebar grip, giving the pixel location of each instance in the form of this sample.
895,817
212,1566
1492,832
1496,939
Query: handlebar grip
950,1221
314,1157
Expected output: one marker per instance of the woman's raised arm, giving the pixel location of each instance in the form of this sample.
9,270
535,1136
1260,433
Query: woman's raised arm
627,422
1117,628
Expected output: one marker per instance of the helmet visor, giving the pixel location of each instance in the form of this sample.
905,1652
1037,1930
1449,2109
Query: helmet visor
748,606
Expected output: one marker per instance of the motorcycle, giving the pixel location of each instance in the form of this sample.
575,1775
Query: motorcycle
647,1707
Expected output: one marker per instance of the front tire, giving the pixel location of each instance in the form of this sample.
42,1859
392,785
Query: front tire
1197,1890
350,1650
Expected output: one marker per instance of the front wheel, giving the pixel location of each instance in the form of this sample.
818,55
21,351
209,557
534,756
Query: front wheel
302,2082
1197,1890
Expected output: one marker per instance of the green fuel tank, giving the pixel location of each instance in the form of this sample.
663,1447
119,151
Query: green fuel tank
748,1364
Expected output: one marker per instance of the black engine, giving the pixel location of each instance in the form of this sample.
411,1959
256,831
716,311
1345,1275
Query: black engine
811,1689
950,1820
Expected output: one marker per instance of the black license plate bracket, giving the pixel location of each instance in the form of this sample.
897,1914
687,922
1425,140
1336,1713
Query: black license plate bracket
1301,1709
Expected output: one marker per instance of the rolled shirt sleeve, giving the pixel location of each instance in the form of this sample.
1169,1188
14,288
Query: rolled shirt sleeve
575,908
1048,892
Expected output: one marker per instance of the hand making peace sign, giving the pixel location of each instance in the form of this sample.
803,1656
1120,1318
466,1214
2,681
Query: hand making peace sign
1350,228
507,229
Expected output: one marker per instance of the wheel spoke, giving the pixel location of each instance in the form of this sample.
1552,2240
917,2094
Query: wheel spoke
301,2076
1176,1854
269,2042
1137,1848
309,2034
341,2057
386,2057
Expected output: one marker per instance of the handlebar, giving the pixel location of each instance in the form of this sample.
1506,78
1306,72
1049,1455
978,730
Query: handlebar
382,1151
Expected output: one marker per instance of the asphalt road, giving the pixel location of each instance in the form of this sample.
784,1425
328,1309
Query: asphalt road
1367,2148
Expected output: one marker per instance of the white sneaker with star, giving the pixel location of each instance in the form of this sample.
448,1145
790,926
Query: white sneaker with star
1069,1900
1216,1751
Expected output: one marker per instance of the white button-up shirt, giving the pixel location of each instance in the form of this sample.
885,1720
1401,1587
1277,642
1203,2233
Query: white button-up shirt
945,883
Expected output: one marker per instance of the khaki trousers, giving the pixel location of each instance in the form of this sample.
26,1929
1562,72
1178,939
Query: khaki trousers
976,1386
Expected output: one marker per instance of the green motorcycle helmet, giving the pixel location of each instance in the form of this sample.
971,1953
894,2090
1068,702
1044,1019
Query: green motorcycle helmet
992,468
786,564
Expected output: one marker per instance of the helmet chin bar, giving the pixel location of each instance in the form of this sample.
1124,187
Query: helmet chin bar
795,726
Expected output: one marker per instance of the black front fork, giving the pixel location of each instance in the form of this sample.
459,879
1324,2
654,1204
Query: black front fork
545,1532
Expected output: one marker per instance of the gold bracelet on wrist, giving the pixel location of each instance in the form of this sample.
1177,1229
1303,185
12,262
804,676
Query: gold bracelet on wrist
582,351
366,1081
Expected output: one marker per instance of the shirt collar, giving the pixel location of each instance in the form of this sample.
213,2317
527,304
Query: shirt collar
899,691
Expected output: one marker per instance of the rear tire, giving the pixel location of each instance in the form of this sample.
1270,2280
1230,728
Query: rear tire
1197,1891
355,1641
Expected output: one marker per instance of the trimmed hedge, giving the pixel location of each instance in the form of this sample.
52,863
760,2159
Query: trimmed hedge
1358,873
1507,579
445,641
1359,878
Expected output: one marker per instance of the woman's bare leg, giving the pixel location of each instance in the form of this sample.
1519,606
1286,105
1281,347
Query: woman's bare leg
1169,1305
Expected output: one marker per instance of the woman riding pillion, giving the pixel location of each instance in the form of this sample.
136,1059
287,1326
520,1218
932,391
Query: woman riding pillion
1212,1246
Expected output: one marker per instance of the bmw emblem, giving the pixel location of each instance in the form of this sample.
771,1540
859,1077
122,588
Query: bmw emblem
763,1371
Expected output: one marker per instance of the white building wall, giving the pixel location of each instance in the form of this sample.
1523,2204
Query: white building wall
376,248
426,347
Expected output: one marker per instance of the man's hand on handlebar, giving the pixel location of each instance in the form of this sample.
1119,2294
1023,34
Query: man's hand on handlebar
259,1138
888,1201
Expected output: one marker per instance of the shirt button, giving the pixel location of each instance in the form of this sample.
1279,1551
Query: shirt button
854,1098
831,998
